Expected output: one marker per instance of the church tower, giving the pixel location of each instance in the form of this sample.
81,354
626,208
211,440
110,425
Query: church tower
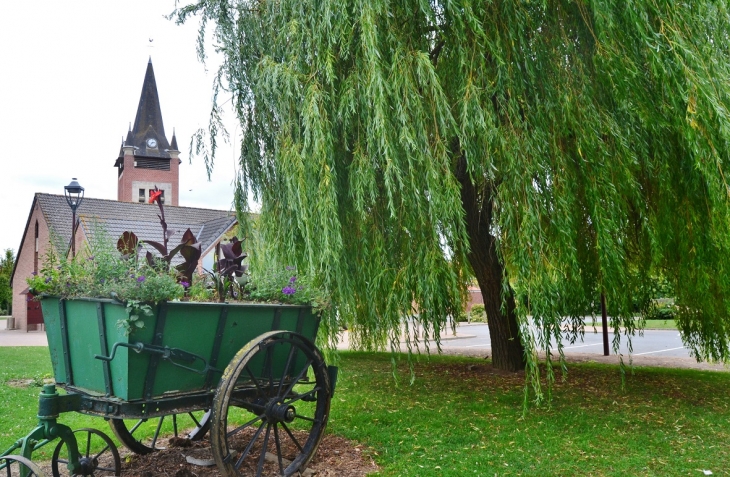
146,159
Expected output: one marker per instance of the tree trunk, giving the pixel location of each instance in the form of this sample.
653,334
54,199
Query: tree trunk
507,349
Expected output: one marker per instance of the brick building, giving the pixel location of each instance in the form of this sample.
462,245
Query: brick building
146,159
474,297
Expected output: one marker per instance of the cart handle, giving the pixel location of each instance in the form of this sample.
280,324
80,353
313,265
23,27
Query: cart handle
165,352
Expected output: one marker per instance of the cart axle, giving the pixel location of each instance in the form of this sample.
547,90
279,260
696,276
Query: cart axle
278,412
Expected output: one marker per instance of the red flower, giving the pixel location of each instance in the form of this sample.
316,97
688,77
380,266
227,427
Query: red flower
155,196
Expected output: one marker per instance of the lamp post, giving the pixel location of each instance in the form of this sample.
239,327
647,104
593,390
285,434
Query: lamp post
74,195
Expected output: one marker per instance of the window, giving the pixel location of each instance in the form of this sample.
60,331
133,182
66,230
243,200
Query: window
35,255
141,195
150,163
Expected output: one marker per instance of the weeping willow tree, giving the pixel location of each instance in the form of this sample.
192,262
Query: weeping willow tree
554,150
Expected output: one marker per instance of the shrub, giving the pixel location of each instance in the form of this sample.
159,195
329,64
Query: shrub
478,314
661,309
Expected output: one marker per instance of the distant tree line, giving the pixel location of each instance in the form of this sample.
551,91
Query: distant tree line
6,293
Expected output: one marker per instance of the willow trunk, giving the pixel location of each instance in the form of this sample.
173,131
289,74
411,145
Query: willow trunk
507,349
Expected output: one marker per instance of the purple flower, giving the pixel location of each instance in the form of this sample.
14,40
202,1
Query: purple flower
292,279
34,273
185,284
90,258
140,279
101,280
48,279
288,290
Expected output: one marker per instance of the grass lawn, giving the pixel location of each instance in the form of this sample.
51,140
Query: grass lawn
460,419
660,325
650,325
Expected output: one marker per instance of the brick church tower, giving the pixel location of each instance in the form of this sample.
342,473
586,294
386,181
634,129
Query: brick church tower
146,159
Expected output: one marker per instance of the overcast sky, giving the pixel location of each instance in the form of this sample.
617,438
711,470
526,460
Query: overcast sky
70,80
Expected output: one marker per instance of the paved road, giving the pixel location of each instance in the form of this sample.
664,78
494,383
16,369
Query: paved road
474,337
654,342
21,338
656,348
471,337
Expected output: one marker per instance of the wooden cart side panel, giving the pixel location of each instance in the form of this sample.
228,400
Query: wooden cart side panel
83,337
215,332
190,328
127,367
242,325
51,318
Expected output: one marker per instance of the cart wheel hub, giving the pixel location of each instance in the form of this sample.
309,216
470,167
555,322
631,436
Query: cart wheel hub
281,413
87,465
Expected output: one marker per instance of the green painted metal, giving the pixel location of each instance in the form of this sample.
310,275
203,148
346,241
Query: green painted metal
51,318
50,405
187,326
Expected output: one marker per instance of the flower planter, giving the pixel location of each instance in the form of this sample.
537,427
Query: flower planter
182,348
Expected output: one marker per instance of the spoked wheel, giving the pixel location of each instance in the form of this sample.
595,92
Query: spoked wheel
15,465
271,407
132,434
98,456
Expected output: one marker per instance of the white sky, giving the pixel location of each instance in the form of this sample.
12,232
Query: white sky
70,80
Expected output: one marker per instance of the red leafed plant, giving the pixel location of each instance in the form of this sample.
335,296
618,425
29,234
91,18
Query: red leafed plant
189,248
229,270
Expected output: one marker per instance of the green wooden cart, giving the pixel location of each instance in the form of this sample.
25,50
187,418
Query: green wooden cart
249,374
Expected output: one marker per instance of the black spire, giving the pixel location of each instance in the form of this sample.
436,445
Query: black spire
148,133
130,137
173,142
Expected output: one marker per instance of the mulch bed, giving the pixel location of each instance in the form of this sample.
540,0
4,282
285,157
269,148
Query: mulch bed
335,456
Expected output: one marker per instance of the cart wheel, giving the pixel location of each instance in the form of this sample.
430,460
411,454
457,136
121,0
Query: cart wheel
98,455
281,378
18,465
126,430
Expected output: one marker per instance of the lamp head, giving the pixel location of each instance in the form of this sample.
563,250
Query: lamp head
74,194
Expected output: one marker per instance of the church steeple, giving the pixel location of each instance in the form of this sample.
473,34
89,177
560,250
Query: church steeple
148,132
147,160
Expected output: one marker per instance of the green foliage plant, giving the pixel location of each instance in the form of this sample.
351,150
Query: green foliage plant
100,270
229,273
555,150
661,309
135,311
477,314
284,286
200,291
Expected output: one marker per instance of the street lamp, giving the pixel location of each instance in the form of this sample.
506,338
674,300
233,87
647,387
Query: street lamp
74,195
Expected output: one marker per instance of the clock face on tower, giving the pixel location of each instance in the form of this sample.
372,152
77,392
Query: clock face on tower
151,143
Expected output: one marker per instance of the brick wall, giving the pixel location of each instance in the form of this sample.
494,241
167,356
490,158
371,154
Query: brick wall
27,263
474,297
126,191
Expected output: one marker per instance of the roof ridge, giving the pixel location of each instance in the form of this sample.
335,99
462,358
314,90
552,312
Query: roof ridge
167,206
